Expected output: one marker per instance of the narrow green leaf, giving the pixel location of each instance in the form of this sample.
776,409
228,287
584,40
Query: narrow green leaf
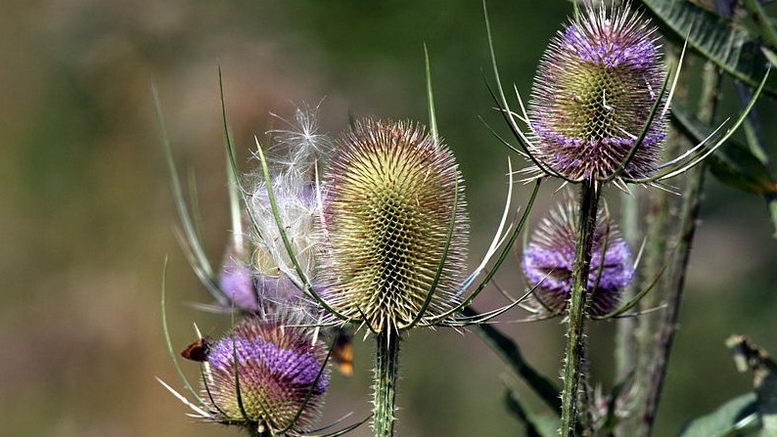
770,55
430,97
734,165
169,342
734,50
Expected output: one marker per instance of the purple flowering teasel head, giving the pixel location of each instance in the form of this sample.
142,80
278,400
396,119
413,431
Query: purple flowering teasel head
390,193
549,258
276,366
593,93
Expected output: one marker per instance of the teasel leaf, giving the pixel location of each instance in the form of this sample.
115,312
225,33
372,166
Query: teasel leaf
734,50
765,23
733,418
751,414
735,164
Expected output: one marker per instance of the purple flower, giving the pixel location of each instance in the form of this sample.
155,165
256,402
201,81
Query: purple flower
236,283
594,90
277,367
550,258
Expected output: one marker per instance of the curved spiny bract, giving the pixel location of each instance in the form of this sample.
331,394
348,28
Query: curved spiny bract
388,209
276,369
593,93
550,257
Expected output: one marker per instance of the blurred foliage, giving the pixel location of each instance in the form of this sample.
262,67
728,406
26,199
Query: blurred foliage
86,215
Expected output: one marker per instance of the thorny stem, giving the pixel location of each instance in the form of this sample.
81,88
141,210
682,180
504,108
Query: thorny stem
635,336
386,357
575,347
675,283
659,213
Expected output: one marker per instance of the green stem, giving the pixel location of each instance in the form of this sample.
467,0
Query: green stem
575,348
675,282
386,357
625,347
659,213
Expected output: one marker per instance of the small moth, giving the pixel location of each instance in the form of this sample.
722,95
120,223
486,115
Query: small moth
197,351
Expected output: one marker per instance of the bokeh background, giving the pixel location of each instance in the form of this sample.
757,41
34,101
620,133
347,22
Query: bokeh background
86,215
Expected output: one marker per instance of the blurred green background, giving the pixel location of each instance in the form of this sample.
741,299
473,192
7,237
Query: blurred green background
86,215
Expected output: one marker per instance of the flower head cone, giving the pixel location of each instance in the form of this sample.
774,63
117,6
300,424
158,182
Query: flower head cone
550,257
276,367
594,90
391,191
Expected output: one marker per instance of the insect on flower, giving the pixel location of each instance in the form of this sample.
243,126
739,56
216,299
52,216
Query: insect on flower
198,350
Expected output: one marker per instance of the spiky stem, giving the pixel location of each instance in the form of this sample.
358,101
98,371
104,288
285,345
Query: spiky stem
386,357
575,348
675,283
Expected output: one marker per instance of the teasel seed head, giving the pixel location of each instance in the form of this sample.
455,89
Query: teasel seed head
387,212
594,90
276,366
549,259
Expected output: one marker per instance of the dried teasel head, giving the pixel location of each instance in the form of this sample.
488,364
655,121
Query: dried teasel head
391,190
593,93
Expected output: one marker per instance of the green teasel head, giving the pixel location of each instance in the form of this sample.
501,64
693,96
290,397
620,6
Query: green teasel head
391,190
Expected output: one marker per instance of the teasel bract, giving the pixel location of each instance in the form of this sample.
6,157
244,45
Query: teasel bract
549,260
597,115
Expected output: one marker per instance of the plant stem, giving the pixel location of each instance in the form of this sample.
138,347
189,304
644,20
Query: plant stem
575,348
386,357
660,212
625,348
675,282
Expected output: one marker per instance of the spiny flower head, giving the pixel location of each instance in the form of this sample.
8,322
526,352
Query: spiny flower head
550,256
594,90
276,366
387,213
